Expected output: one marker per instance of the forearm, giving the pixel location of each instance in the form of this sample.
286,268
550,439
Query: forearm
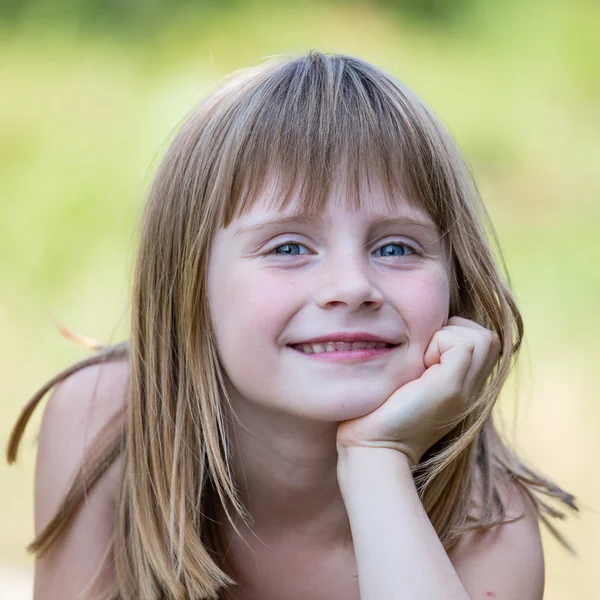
398,552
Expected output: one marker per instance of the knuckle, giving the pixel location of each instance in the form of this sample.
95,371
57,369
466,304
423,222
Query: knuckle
468,344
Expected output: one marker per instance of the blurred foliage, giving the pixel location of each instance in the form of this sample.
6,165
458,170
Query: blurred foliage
434,11
117,16
146,15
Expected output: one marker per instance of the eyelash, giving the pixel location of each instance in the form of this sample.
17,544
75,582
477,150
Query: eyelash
294,242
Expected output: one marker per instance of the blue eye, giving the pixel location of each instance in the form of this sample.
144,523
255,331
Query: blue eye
401,245
288,249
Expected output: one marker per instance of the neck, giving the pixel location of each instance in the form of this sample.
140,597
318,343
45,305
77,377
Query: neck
286,472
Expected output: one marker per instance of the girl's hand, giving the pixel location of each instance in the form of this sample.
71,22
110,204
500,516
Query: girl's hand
458,360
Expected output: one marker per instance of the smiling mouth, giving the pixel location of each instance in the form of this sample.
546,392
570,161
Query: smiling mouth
342,347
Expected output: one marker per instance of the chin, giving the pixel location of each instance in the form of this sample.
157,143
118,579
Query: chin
342,405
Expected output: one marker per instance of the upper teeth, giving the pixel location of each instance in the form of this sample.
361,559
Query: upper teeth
334,346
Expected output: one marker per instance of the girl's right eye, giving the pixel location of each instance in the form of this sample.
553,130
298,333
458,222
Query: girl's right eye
288,249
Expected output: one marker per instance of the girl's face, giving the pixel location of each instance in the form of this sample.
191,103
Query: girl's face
274,282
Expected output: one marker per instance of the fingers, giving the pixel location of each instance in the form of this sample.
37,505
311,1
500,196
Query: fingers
448,359
470,350
492,336
485,353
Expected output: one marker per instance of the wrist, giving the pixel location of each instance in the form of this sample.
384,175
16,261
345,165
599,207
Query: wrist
361,463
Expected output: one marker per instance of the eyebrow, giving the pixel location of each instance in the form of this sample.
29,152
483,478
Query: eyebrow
312,220
279,220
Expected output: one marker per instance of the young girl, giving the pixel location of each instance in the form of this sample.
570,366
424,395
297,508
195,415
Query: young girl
304,407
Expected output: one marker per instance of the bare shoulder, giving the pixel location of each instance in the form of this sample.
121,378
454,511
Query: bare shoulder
507,560
78,409
76,412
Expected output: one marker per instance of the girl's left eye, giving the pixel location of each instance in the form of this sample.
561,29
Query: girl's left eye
289,246
402,245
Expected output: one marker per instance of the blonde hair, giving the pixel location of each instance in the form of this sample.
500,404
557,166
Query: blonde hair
306,120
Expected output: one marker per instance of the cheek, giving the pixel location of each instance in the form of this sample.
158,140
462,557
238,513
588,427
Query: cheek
251,312
425,307
254,306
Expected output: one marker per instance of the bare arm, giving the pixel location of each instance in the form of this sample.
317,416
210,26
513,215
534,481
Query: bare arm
399,554
75,412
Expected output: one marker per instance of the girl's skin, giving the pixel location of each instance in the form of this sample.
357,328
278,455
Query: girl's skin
327,446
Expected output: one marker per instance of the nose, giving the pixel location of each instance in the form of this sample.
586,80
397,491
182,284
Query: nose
348,282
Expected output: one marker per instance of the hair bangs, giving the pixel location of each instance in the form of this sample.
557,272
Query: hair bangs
320,123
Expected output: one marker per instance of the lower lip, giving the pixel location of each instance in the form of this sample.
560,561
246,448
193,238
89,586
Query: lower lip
348,355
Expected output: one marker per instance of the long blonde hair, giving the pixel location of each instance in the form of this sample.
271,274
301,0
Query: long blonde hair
310,119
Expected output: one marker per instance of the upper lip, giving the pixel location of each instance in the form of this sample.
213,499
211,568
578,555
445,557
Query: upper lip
347,336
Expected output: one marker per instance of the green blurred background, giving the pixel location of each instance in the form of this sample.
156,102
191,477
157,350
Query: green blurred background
90,91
